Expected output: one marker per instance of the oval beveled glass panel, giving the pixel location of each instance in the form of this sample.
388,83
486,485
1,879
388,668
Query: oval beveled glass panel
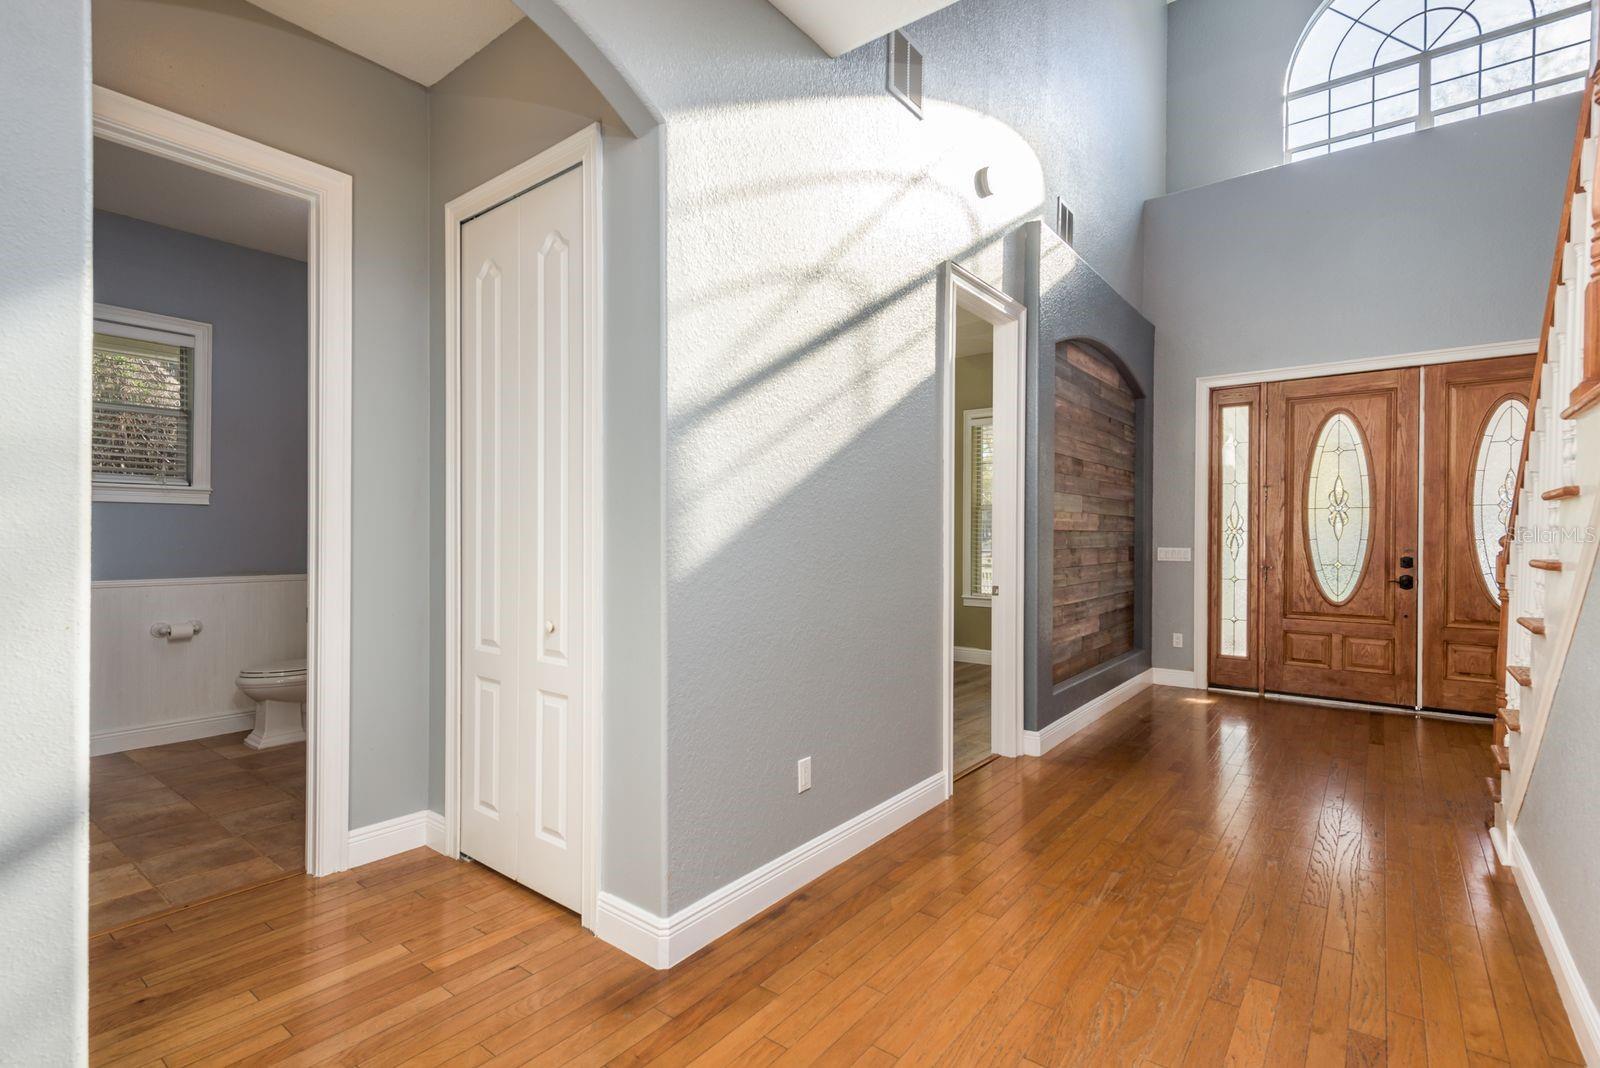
1338,507
1494,483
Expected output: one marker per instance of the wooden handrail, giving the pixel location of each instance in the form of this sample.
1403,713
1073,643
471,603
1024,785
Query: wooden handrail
1591,363
1587,392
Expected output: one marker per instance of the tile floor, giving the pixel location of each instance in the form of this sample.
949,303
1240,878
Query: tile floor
174,824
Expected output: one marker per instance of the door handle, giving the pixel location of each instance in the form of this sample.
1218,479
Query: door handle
1405,582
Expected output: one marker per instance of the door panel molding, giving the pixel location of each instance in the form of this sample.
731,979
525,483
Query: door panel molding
1362,647
582,624
1459,617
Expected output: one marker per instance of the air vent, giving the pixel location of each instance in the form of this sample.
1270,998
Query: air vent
1063,220
905,72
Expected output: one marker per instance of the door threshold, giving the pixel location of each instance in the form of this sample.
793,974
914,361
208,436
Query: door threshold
985,762
1360,706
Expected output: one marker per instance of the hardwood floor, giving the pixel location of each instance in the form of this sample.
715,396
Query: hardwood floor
972,722
174,824
1194,879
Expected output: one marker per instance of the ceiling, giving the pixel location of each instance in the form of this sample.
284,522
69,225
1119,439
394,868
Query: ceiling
141,186
974,336
420,39
838,26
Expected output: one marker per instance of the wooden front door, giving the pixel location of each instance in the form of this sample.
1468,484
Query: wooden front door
1339,589
1476,416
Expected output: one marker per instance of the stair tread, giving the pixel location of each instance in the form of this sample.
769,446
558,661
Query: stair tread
1511,717
1560,493
1521,673
1532,623
1545,565
1493,782
1502,757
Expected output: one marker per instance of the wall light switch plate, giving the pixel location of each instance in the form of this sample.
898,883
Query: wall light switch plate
1177,639
803,771
1173,555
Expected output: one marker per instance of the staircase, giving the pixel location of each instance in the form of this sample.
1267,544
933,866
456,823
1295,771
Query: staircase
1548,554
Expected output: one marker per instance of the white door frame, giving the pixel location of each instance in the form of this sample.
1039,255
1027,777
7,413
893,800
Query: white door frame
328,197
582,149
960,288
1202,463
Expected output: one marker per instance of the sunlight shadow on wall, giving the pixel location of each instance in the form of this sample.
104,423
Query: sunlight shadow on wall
803,302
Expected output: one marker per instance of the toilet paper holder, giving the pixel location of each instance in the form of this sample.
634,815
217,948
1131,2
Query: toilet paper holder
164,630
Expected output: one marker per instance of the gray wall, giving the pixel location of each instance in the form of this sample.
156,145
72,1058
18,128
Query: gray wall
807,213
233,65
1070,301
1434,240
515,98
256,305
44,532
1226,65
1559,826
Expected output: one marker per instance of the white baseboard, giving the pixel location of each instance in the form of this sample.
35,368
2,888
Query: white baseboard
388,837
178,730
1040,742
663,942
1575,996
968,655
1173,677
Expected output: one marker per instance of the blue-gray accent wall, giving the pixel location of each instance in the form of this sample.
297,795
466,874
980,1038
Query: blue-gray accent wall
256,305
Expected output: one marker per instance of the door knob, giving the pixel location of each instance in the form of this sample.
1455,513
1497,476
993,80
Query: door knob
1405,582
549,626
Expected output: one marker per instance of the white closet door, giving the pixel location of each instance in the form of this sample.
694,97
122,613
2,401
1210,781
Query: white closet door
522,539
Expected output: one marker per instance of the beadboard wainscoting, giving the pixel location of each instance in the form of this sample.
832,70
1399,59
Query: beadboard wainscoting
145,690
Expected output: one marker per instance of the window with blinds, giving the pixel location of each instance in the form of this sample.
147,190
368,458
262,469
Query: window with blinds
979,502
143,411
151,427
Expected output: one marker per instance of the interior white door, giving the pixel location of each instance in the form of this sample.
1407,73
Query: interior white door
522,537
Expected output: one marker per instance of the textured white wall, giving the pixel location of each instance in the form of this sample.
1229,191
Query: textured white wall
806,215
1226,64
44,532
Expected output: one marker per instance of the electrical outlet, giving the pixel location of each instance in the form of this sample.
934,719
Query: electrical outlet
1177,639
803,772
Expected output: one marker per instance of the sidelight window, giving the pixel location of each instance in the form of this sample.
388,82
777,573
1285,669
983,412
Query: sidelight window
1233,550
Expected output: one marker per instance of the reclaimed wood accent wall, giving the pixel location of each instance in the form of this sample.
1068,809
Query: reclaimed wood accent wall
1093,585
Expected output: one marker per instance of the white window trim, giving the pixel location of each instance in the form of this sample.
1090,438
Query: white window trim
189,334
972,417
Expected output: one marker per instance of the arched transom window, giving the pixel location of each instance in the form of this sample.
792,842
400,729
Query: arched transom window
1370,69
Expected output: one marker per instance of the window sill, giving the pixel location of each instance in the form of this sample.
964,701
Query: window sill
123,493
974,601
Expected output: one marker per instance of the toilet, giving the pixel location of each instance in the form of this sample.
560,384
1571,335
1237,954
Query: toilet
279,691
